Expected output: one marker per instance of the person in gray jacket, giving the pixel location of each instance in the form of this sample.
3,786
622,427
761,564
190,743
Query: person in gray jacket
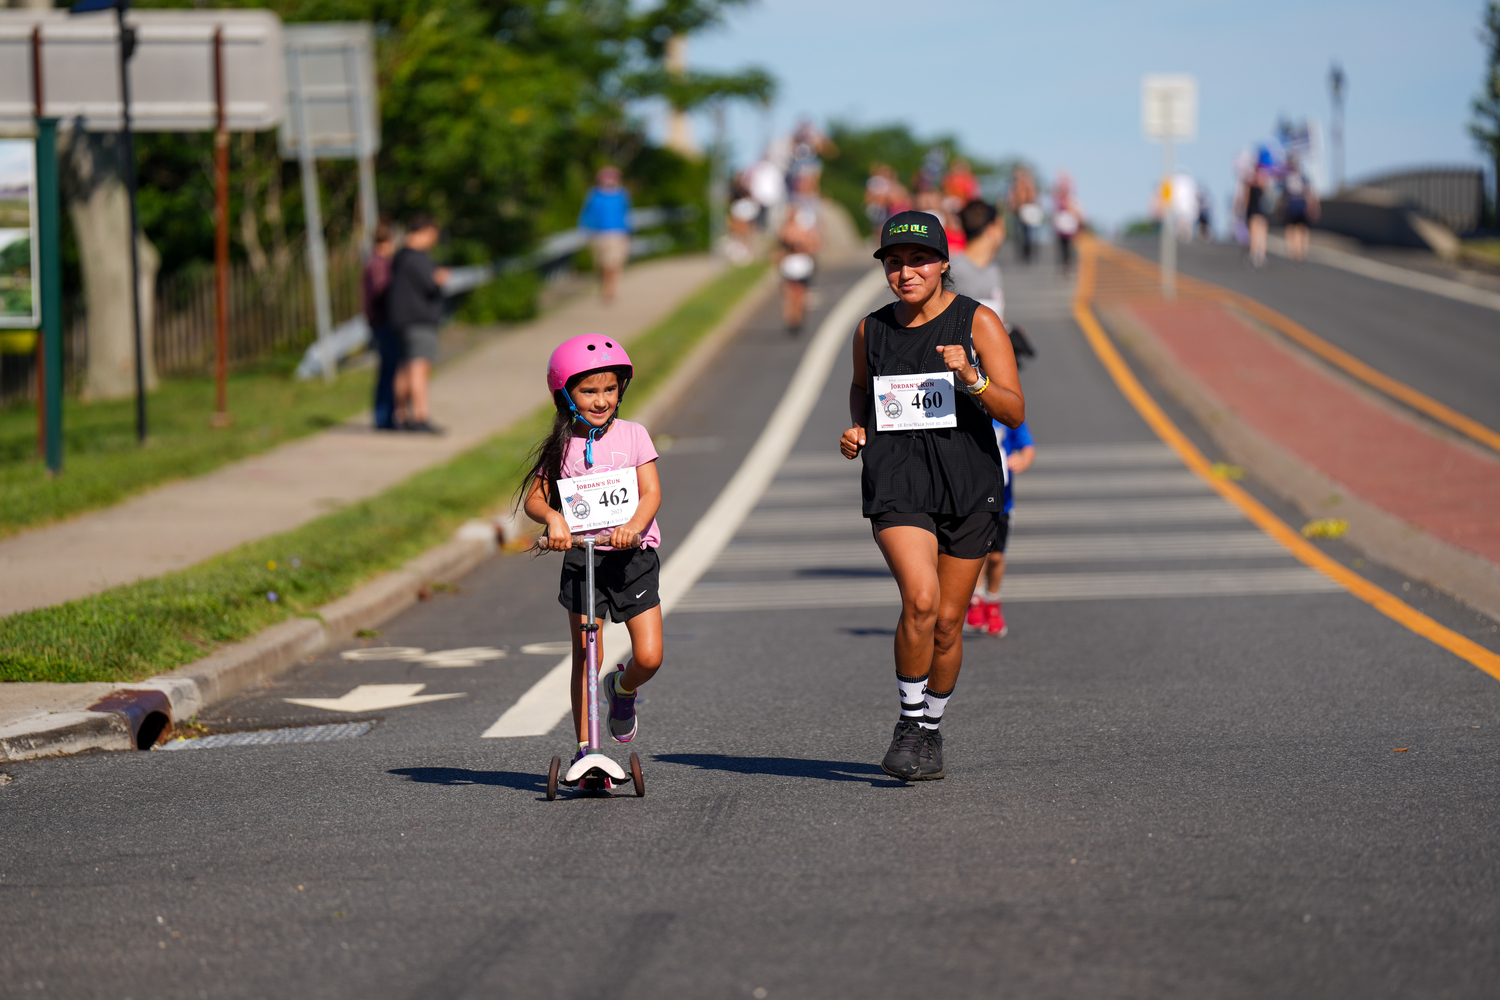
414,307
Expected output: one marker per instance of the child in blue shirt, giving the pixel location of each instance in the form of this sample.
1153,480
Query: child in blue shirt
1019,452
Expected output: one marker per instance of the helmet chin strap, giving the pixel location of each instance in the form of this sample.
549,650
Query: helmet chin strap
594,434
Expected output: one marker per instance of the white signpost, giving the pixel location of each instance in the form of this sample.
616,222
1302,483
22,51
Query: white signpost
171,73
153,71
333,114
1169,113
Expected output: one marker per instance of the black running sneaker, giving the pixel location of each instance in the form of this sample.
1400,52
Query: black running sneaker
930,756
902,759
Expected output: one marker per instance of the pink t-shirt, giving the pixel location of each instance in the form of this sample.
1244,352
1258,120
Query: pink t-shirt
625,446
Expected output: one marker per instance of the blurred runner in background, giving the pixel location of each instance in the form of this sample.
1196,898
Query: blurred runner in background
801,238
976,271
373,283
1022,201
1257,184
1301,207
1205,219
606,215
1067,219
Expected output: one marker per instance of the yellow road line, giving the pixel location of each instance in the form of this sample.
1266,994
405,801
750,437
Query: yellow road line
1335,356
1383,601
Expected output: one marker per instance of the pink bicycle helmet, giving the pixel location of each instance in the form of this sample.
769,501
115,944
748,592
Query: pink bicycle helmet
583,354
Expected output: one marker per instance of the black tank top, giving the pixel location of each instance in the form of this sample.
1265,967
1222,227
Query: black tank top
955,470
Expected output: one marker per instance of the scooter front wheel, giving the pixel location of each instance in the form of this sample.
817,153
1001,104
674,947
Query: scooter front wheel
636,777
552,778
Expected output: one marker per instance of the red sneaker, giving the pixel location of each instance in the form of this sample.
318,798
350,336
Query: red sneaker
976,618
995,620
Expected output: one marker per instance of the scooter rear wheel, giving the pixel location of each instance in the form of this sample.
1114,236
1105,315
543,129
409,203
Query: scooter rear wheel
552,778
635,775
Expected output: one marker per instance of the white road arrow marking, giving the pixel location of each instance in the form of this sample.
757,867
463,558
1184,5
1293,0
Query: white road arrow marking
374,698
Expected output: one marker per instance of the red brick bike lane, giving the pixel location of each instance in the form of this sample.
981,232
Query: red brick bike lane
1371,450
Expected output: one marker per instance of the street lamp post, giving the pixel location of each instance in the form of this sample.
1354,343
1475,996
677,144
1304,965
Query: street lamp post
127,142
1336,81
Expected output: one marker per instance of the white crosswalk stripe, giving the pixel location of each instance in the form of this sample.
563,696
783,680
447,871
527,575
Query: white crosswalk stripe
1083,506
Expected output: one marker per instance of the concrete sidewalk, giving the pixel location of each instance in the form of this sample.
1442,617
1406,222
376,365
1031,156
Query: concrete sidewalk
477,395
1417,497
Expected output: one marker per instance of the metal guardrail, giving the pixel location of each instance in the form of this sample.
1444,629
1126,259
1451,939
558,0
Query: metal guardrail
353,335
1453,196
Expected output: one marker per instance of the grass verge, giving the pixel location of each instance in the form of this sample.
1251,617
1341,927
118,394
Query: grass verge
140,629
103,464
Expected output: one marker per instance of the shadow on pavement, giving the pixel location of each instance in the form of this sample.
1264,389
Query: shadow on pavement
789,767
463,776
868,631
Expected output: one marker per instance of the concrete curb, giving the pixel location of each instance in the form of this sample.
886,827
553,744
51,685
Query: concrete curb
1381,535
261,658
257,660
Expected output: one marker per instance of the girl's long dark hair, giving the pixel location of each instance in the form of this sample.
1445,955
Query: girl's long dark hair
547,457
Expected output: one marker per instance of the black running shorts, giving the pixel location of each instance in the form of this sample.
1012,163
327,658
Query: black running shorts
963,536
625,583
1002,531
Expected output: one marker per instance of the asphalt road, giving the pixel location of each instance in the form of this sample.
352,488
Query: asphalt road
1178,776
1447,349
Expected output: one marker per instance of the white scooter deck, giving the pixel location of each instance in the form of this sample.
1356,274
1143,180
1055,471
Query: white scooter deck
590,762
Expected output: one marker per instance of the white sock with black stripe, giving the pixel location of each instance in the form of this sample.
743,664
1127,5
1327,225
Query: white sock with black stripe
913,703
935,704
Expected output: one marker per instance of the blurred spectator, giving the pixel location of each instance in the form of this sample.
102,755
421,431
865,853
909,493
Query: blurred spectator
961,183
1205,219
606,215
373,283
1022,200
1067,218
1301,207
414,307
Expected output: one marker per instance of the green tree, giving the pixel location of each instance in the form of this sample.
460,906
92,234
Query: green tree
494,116
1485,127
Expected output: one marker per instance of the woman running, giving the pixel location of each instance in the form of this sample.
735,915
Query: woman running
588,376
932,482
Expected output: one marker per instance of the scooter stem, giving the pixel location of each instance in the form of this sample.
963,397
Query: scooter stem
591,645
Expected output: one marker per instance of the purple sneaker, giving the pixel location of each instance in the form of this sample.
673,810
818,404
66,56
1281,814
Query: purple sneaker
621,708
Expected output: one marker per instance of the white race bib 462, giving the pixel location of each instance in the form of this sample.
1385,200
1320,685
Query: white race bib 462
601,500
915,402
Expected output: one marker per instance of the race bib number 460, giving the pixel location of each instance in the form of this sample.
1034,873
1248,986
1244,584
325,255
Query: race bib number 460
914,402
602,500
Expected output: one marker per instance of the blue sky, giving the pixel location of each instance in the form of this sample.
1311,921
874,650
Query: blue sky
1059,83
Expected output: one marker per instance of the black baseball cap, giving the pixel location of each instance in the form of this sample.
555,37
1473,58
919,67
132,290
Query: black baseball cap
922,228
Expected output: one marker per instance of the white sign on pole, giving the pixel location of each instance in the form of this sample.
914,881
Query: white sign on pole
331,71
1169,106
171,74
20,300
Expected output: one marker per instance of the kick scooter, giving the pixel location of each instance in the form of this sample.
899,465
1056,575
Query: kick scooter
593,772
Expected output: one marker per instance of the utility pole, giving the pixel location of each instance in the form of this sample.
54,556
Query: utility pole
1168,222
1336,81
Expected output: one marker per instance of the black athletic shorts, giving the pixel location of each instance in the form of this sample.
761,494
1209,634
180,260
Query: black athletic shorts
963,536
1002,531
625,583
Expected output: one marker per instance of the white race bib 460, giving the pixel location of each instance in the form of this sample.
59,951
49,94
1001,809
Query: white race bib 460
915,402
601,500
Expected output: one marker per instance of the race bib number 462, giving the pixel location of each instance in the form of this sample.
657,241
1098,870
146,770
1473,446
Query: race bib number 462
601,500
914,402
